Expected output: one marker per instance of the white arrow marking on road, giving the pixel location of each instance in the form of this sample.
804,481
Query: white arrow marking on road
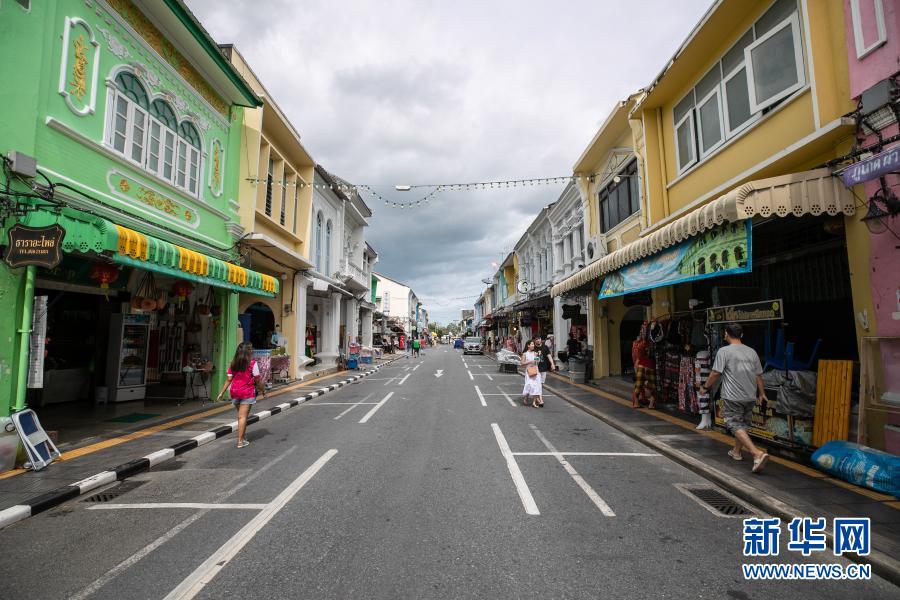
440,373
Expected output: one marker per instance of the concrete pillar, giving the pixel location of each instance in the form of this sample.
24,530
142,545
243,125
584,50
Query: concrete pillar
297,338
351,322
226,337
577,247
366,316
331,330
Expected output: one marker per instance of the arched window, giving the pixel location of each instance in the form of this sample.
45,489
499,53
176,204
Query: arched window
739,256
127,114
319,242
328,248
701,266
724,258
161,146
149,134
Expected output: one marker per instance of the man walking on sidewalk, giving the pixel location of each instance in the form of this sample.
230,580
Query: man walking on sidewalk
741,373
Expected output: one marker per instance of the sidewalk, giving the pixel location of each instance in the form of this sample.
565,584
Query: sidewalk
19,485
782,483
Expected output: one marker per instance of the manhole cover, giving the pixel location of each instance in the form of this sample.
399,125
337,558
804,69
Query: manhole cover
114,492
715,501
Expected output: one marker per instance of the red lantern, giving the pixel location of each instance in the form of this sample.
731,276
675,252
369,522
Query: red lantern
182,289
104,274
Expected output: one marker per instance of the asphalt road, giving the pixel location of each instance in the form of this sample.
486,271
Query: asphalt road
405,485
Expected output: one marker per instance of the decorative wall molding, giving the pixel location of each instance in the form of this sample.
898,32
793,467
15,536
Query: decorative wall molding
115,46
73,80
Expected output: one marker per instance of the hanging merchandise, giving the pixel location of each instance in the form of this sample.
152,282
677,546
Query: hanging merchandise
104,273
203,308
143,298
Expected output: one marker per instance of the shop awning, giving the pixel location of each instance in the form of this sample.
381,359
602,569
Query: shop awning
814,192
89,234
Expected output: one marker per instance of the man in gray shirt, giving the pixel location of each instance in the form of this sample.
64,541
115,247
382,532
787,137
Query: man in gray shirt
741,372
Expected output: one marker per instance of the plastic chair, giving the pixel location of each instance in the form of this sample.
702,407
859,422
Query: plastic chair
806,365
775,357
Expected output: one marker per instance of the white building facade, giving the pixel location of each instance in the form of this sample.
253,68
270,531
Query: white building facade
339,307
566,217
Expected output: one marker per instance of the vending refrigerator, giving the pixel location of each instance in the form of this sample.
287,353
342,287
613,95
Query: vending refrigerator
126,370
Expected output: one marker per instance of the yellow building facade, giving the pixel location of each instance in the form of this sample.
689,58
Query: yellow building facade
275,198
736,131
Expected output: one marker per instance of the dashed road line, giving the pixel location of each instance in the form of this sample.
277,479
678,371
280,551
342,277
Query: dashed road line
516,474
375,408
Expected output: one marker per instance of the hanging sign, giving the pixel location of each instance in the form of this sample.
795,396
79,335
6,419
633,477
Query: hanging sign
39,246
722,250
765,310
872,167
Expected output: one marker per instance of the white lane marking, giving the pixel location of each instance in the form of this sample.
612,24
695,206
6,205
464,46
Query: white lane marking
137,556
337,403
585,487
196,505
558,454
405,377
388,382
517,477
470,375
363,401
406,368
417,366
489,376
439,372
206,572
505,395
480,396
375,408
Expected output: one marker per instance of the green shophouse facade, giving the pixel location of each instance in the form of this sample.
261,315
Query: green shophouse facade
134,118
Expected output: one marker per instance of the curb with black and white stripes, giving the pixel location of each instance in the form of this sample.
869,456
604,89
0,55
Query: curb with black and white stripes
48,500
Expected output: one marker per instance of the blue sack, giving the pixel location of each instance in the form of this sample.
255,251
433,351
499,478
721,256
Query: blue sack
860,465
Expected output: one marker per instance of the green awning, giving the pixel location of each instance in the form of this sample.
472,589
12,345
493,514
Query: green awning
89,234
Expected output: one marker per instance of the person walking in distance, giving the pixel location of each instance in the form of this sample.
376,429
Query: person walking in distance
741,372
530,359
416,345
244,381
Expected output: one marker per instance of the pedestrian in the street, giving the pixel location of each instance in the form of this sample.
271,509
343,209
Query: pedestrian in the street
415,347
530,359
244,380
546,362
741,372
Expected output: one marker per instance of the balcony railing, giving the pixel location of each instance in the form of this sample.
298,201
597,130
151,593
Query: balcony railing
350,272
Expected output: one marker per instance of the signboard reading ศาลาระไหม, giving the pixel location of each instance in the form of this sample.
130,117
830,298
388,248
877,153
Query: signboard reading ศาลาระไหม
766,310
39,246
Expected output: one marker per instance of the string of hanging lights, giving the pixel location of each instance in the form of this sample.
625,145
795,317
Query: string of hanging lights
435,188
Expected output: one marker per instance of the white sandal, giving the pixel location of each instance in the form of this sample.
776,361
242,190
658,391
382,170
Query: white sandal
735,456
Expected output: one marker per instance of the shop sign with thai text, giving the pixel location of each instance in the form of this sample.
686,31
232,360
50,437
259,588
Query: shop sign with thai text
872,167
765,310
39,246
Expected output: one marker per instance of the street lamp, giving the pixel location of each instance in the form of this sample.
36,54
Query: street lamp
875,215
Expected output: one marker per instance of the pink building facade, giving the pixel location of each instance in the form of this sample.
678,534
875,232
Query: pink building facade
873,50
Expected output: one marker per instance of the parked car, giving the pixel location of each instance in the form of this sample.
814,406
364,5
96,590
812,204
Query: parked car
457,343
473,346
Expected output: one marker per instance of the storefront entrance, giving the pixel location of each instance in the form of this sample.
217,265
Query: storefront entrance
262,325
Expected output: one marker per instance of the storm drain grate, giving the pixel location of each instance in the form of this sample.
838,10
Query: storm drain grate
114,492
715,501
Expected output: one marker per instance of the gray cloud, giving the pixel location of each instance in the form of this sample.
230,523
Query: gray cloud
434,92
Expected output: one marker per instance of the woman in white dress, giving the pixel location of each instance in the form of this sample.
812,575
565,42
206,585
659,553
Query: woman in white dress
530,360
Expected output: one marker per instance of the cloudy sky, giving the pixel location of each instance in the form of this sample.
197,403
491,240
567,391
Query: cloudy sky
420,92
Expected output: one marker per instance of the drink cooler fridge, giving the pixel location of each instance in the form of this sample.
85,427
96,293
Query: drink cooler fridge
126,367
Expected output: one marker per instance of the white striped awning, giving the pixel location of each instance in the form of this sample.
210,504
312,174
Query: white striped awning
814,192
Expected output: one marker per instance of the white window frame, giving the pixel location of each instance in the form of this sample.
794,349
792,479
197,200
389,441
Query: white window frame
192,168
688,116
859,39
729,132
793,22
133,112
704,153
162,157
151,123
